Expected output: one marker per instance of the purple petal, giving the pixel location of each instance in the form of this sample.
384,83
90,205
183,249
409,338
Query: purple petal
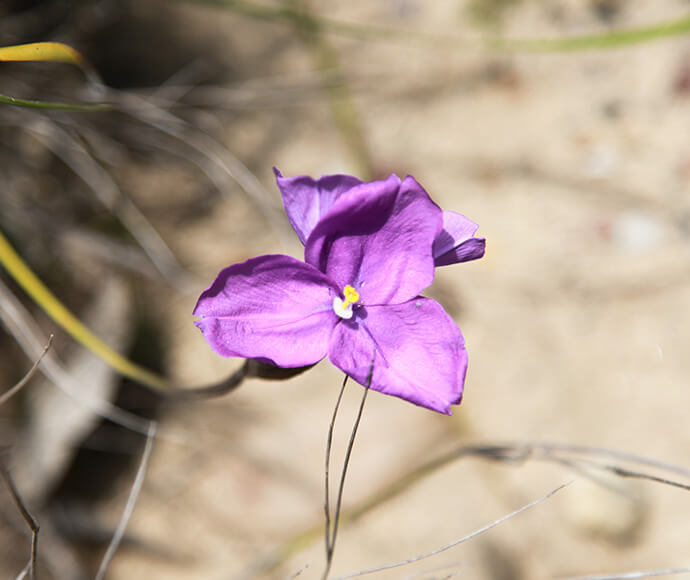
456,243
417,350
378,239
273,307
307,200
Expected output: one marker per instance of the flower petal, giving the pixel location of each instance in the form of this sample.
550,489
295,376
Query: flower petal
418,352
378,239
273,307
456,242
306,200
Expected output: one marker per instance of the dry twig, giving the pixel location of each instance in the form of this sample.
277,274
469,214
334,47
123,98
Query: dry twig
27,377
28,518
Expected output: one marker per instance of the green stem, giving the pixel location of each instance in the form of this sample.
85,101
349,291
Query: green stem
73,107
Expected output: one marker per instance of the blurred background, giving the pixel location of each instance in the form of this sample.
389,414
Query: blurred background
574,160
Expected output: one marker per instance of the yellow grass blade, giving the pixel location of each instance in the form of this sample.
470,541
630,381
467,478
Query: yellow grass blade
25,277
41,52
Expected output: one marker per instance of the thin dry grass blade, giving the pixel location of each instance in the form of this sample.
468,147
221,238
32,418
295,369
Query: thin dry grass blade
77,158
220,159
456,542
508,453
632,575
131,502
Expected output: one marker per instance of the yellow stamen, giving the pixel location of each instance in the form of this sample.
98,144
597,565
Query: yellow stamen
351,296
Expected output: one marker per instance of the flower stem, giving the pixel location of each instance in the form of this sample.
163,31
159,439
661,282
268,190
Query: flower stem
332,532
329,443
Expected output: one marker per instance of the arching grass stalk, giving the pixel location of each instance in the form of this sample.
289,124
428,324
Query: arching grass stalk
53,307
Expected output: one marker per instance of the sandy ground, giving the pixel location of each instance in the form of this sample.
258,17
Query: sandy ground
577,168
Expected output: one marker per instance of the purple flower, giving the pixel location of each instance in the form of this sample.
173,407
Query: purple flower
370,249
307,200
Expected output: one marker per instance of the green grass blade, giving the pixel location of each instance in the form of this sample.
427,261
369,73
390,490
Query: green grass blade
374,32
49,52
72,107
603,41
